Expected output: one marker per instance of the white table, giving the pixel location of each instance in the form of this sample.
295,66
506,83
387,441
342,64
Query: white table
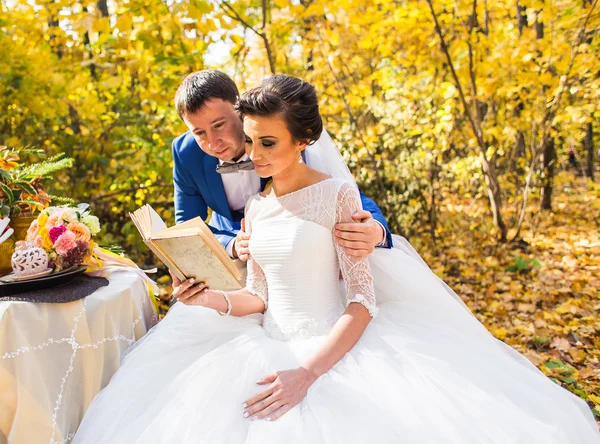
54,358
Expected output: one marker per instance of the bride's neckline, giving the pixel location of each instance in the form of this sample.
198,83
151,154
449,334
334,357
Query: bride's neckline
272,196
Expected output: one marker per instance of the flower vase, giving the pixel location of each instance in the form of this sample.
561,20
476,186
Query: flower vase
21,224
7,249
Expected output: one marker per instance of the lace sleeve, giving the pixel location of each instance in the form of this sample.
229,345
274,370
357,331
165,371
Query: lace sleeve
256,282
355,271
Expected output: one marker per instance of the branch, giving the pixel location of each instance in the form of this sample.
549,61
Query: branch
239,18
474,127
549,117
565,79
245,24
353,120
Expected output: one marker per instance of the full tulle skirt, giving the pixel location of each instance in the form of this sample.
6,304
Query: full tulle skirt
424,371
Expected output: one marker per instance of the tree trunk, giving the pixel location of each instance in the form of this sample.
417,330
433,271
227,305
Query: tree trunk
103,7
494,195
518,153
53,25
589,147
548,167
549,154
434,172
521,19
489,172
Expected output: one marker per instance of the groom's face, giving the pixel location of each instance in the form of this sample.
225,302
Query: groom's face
218,129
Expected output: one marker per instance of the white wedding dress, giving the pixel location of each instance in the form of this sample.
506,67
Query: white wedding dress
424,371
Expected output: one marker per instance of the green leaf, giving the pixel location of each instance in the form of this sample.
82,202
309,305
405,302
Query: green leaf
567,380
29,202
9,193
27,187
5,174
555,363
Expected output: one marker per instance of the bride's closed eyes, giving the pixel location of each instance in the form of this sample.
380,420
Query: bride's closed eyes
264,142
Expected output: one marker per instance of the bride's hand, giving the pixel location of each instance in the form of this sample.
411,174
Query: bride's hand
286,390
188,291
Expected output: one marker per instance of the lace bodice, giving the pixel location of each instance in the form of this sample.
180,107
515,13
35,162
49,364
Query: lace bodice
296,263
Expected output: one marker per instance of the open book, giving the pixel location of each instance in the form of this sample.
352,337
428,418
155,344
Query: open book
189,249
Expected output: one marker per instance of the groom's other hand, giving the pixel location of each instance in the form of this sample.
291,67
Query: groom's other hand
241,249
360,239
188,290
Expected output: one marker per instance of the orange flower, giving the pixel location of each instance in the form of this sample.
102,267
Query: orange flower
82,233
8,161
42,198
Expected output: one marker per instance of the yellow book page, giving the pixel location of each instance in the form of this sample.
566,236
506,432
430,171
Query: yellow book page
196,260
197,225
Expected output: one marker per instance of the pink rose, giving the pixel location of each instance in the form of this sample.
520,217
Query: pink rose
39,241
32,231
65,243
55,232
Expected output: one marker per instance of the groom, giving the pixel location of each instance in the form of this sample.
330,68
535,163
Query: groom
211,170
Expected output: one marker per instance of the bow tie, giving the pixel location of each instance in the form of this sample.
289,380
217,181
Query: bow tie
232,167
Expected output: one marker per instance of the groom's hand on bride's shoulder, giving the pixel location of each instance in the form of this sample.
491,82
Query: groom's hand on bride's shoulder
241,245
359,238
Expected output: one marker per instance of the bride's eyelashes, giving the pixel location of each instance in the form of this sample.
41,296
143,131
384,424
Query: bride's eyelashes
265,143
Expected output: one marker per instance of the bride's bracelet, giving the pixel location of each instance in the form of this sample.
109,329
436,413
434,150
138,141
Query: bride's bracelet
226,296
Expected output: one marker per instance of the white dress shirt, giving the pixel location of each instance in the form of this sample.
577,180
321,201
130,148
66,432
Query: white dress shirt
239,187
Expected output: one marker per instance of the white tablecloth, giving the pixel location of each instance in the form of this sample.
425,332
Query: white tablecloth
54,358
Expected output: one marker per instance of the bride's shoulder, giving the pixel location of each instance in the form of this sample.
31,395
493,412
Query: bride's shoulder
340,186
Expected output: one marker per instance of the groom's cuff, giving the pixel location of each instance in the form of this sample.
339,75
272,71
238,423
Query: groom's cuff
229,248
384,242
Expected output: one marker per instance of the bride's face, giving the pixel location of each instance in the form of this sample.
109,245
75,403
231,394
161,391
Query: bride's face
270,145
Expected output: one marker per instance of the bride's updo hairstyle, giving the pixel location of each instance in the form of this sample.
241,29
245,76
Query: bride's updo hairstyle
294,99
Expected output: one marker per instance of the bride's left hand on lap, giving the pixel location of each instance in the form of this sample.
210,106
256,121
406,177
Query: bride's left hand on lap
361,237
288,388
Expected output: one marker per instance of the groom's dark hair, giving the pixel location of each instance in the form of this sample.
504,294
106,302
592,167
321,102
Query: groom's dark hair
201,86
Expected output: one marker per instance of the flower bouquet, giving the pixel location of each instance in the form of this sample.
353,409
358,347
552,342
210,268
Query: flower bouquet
60,238
65,234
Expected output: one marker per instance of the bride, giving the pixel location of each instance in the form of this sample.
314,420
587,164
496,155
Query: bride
397,358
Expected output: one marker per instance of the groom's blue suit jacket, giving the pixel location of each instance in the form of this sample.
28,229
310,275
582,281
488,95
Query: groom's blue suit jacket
198,187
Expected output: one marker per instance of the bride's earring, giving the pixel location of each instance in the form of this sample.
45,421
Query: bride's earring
300,158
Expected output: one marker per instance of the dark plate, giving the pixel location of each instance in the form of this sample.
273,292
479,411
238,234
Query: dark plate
50,280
